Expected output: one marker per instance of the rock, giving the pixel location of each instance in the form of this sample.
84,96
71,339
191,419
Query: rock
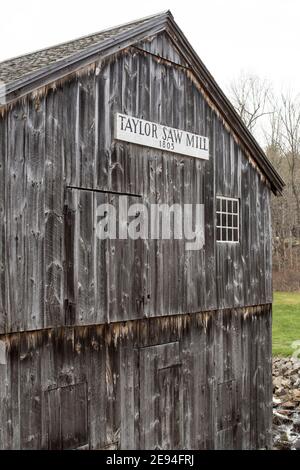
279,419
296,395
286,412
288,404
285,383
280,392
297,445
296,426
283,445
288,366
276,401
277,381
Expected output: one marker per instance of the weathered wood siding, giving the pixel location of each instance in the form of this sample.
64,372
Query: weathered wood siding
62,138
200,381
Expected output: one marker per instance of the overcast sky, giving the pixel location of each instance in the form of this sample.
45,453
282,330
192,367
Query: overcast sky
254,36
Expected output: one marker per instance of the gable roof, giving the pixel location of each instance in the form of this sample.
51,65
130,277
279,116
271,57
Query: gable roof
23,74
16,68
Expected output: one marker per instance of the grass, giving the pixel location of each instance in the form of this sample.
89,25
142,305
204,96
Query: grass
286,323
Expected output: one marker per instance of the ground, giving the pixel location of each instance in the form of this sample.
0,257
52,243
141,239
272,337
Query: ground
286,370
286,323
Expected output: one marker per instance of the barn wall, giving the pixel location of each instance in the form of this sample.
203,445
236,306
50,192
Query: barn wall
58,143
189,381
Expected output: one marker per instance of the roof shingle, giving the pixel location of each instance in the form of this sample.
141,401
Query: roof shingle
14,69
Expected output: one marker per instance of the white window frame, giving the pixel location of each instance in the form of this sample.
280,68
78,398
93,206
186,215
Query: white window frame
221,212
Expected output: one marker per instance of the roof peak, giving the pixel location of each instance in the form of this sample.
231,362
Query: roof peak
161,14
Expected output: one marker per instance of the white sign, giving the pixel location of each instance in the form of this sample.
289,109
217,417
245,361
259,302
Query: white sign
147,133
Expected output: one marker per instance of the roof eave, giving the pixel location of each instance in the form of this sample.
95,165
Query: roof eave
29,82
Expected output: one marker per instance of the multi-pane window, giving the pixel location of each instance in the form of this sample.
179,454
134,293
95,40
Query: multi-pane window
227,219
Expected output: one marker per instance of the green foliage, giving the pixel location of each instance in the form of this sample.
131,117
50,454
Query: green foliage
286,322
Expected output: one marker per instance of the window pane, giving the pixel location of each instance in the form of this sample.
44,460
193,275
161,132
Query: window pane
227,219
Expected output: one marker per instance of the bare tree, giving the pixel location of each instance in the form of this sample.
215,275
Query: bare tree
252,99
272,136
290,144
276,124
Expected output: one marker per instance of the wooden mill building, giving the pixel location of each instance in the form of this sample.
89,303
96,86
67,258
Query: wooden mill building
136,343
